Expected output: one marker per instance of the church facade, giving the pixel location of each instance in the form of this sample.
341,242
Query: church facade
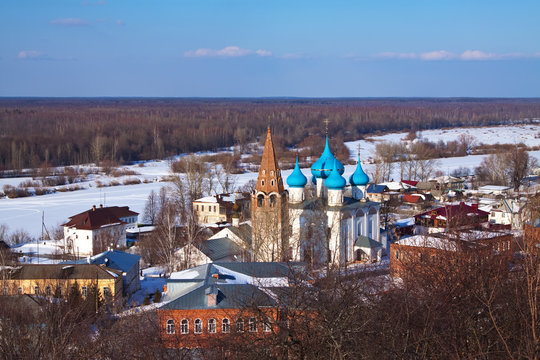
326,221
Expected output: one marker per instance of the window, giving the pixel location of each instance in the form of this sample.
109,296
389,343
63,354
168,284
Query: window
260,200
197,207
87,237
106,291
5,291
267,325
170,326
198,326
84,291
397,255
58,291
36,290
202,207
273,200
48,291
272,182
19,290
252,325
240,325
225,325
184,326
211,326
271,172
262,182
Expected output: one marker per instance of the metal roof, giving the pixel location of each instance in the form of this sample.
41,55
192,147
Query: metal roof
113,259
229,296
220,248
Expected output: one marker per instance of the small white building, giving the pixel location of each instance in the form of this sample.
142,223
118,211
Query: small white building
95,230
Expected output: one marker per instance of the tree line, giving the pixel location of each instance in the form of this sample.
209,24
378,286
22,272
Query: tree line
123,130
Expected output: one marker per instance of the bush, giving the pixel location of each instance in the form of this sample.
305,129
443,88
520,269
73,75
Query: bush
132,181
157,296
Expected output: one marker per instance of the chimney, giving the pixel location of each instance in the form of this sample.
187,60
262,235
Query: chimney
93,207
211,295
235,221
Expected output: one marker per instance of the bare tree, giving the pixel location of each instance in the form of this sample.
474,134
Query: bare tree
151,208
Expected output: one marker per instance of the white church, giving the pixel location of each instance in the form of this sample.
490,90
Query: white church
316,223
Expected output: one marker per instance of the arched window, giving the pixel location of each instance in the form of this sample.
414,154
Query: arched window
184,326
260,200
273,200
48,291
36,290
225,325
198,326
267,325
262,182
170,326
397,255
84,291
240,325
252,324
272,182
211,326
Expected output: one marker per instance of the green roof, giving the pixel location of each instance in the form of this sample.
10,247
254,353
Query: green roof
229,296
366,242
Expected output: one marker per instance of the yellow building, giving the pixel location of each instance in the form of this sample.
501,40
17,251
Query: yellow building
57,280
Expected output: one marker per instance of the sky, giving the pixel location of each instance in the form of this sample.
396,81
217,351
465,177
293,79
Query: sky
258,48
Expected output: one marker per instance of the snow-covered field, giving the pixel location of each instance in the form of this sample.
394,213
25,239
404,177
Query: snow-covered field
26,213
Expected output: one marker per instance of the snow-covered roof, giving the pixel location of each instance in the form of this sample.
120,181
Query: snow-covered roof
207,199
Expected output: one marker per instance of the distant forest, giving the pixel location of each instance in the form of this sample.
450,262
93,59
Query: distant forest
38,131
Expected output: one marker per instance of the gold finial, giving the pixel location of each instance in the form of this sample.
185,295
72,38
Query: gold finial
326,121
359,147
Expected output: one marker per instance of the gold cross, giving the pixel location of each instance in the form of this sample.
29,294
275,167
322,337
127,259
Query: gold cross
359,147
326,121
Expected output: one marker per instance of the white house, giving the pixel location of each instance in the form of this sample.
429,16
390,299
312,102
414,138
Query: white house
98,229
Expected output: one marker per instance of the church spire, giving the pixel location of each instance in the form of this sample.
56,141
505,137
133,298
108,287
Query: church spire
269,179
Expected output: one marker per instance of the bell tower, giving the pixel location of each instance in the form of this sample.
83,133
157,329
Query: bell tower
269,220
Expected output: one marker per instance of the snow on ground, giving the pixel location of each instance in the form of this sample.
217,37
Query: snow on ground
25,213
507,134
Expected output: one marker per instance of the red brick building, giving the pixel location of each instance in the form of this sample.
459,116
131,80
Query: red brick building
413,255
219,301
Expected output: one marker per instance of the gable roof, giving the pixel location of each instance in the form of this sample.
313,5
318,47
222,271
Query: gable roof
454,210
366,242
219,248
229,296
96,218
61,271
376,189
410,182
113,259
413,198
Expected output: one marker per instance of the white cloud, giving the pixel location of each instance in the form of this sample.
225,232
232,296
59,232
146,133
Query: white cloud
467,55
229,51
437,55
70,22
478,55
263,53
30,55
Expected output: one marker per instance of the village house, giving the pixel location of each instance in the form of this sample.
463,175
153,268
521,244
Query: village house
127,264
412,255
217,208
220,300
95,230
56,280
451,216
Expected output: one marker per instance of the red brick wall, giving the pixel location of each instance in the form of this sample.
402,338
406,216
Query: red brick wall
206,339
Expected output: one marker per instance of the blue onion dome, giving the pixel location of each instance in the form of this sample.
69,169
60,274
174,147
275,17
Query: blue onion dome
359,177
297,179
335,181
323,167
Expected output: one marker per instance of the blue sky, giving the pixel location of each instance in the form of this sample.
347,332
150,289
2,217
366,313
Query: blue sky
243,48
